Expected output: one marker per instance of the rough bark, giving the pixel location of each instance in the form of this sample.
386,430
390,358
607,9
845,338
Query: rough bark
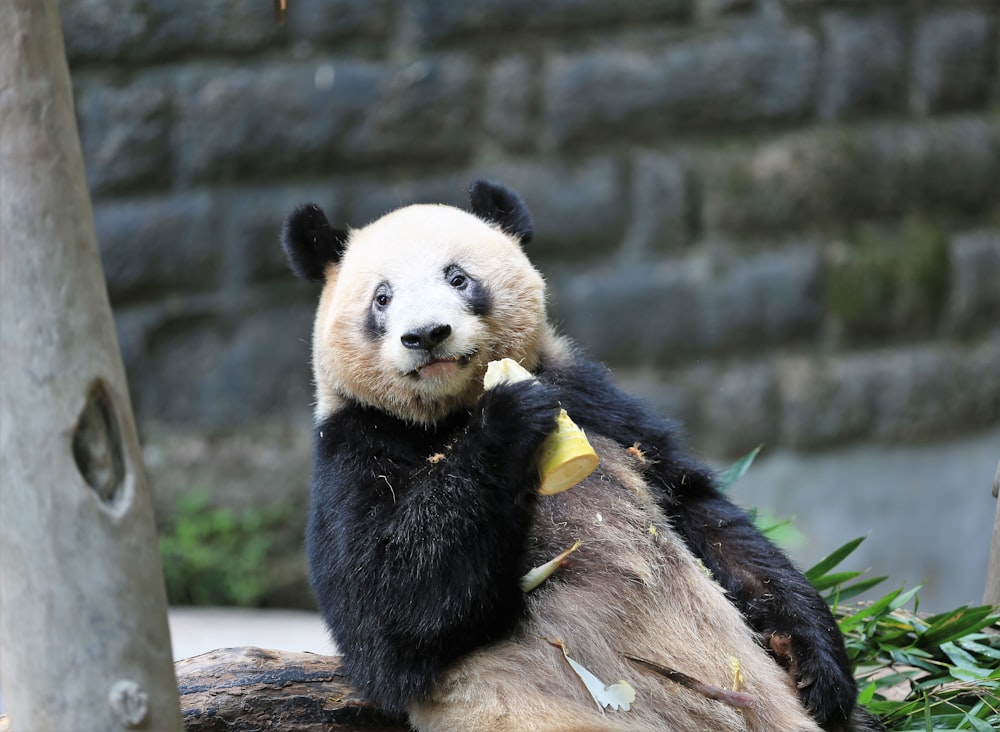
251,689
83,622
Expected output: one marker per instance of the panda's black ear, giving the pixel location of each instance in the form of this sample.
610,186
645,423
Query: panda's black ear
499,205
310,242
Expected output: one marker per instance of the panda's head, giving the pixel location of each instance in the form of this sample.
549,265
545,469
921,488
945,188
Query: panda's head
415,304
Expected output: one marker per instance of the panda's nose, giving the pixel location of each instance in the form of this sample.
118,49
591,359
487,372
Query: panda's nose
427,337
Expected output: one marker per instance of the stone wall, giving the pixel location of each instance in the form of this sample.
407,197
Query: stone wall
779,220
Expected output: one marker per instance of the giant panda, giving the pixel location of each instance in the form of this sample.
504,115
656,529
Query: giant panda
425,514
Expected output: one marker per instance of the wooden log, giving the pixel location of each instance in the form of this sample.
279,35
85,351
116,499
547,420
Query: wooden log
254,690
250,689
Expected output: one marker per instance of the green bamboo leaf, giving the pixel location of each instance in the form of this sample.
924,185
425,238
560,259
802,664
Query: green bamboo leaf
904,598
979,725
970,675
737,470
851,591
833,559
777,526
969,643
876,609
959,657
910,657
949,626
832,580
867,694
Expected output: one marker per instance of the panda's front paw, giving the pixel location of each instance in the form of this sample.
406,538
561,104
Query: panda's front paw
825,684
522,413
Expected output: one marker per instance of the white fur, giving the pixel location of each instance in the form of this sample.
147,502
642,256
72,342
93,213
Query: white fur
410,248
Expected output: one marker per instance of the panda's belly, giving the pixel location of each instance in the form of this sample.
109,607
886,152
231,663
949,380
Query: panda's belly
631,588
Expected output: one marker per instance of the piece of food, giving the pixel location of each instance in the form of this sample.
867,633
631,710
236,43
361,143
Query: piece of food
537,575
505,370
566,456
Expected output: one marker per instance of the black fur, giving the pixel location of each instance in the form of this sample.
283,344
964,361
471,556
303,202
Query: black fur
310,242
499,205
414,562
473,293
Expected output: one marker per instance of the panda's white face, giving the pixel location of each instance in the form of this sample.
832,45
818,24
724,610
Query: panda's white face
420,302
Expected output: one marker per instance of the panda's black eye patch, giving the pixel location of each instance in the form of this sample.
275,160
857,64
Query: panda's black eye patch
375,322
471,290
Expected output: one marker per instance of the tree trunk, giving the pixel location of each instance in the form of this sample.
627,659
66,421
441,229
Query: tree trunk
992,595
83,622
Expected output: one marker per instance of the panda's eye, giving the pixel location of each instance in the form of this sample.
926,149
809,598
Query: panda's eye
383,296
456,277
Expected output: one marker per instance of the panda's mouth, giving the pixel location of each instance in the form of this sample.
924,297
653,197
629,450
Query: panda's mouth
434,366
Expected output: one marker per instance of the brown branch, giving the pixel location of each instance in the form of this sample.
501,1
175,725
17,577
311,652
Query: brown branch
733,698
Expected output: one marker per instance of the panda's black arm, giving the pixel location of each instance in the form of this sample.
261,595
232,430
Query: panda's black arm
772,594
416,558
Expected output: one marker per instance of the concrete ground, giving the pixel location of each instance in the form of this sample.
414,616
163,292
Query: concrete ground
196,630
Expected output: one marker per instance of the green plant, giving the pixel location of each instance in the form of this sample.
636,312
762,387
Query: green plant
212,556
915,672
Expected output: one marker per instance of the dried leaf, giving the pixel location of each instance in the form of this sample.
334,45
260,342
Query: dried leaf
617,696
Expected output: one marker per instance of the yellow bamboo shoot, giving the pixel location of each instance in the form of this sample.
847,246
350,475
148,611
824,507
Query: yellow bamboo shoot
566,456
